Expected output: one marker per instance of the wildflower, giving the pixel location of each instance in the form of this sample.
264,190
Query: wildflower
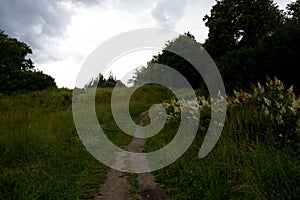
292,110
237,94
280,87
279,84
277,105
176,109
280,135
265,109
290,90
247,95
281,96
166,105
269,82
267,101
277,81
237,101
220,95
279,119
282,110
260,88
253,87
296,103
203,102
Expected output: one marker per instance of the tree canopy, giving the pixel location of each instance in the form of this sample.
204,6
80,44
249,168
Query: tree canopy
102,82
235,23
13,54
183,44
16,71
272,54
293,10
248,41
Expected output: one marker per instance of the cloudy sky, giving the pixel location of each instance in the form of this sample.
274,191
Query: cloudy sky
62,33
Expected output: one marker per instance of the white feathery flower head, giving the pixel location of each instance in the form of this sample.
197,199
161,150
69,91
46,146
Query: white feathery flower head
260,88
281,96
278,105
282,110
236,101
267,101
290,90
237,94
265,109
279,119
296,103
294,112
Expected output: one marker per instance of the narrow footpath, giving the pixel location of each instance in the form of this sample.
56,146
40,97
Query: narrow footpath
117,187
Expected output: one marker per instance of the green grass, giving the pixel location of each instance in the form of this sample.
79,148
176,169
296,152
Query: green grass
41,154
246,163
43,158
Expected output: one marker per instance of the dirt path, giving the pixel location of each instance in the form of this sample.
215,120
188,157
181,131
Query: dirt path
117,187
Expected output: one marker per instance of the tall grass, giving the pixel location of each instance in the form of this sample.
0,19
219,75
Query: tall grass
257,156
41,156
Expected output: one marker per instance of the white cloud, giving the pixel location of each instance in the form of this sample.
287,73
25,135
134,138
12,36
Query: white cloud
62,33
88,29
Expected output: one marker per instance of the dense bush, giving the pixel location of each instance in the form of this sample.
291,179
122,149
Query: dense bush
24,81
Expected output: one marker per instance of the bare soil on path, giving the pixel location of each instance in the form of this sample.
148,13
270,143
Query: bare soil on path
117,187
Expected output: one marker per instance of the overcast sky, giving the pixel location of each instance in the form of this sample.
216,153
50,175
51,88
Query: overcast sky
62,33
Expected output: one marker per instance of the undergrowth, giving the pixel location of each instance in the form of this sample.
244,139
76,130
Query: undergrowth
256,157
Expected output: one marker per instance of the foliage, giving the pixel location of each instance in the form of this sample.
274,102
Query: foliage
13,53
22,81
274,55
184,44
277,55
278,110
257,156
233,24
16,71
101,82
248,41
293,10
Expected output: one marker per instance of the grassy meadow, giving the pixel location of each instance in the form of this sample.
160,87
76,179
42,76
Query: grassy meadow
41,156
257,156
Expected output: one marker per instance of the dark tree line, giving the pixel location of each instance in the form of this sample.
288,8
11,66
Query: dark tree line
248,40
17,73
153,73
101,82
272,51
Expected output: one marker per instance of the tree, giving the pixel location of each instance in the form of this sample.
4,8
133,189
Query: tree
186,44
16,71
13,54
24,81
274,55
234,24
279,53
293,10
101,82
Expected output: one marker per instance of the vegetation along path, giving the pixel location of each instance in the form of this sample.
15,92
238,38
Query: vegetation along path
118,187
